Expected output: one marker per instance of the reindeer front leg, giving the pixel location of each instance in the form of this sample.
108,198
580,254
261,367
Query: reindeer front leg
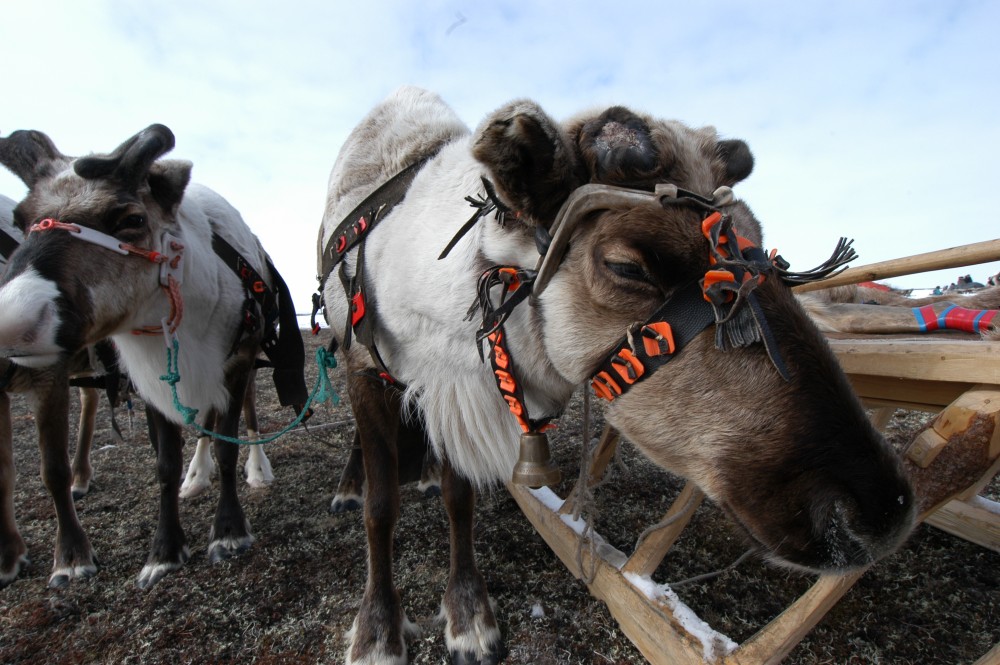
49,399
13,551
169,550
471,631
378,634
231,531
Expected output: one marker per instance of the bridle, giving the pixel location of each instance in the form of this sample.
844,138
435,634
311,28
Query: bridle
170,261
724,296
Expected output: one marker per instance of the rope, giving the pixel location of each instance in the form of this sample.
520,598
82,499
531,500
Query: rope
322,392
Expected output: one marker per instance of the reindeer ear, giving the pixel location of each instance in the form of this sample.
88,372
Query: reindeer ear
167,181
737,161
530,160
30,155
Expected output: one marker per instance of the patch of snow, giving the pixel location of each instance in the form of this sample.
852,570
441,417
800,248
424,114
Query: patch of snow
606,551
548,498
989,505
714,644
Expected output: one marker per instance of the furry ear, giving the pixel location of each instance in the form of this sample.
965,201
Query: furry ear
30,155
531,162
737,161
167,180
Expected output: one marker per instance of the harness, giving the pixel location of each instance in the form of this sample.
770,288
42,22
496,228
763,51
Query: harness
351,233
724,296
262,306
8,244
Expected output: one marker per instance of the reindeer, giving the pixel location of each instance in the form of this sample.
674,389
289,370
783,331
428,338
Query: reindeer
44,388
617,246
123,246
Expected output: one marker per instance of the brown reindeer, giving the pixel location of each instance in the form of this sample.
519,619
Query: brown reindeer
123,246
645,281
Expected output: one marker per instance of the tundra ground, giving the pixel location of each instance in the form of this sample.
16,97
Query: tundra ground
291,598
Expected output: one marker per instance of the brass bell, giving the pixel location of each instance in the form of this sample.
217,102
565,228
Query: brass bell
534,466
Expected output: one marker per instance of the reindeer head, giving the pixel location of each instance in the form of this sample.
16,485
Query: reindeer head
788,454
56,295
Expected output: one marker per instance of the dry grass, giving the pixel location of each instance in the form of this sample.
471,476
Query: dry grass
292,596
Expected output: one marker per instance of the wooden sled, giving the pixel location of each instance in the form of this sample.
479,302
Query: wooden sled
951,463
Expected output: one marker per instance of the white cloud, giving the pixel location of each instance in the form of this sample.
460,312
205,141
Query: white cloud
874,120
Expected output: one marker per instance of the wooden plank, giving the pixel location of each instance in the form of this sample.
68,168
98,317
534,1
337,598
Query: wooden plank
906,393
650,552
954,257
972,361
776,640
657,634
925,448
881,416
976,521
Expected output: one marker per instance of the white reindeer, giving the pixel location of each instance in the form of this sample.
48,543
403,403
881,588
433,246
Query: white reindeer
122,246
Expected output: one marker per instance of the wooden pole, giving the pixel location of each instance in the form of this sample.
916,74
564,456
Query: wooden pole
954,257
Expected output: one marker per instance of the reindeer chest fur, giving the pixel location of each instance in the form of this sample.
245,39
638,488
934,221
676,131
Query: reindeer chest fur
425,345
212,296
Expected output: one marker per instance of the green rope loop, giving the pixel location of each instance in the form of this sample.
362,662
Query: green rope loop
322,392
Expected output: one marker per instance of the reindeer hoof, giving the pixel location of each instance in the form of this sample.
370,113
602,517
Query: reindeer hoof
226,548
344,505
7,577
195,487
152,573
430,491
61,577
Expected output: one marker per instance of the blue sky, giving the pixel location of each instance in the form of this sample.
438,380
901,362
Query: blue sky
872,120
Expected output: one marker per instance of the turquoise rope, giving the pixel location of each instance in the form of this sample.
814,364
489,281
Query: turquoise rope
322,392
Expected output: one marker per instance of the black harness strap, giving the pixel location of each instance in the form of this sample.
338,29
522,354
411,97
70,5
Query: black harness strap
360,221
8,244
352,233
8,375
269,309
651,345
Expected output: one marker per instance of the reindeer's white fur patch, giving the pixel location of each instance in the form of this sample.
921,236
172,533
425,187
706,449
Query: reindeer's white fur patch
152,573
7,578
482,640
31,320
380,656
213,298
200,470
453,389
258,467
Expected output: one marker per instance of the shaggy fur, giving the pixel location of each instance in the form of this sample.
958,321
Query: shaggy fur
812,486
94,293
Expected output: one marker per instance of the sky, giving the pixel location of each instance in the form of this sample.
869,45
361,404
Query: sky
873,120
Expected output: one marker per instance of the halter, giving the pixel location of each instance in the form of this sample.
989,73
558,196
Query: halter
262,306
171,266
724,296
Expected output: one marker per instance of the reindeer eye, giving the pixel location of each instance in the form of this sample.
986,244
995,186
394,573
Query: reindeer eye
632,271
131,222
